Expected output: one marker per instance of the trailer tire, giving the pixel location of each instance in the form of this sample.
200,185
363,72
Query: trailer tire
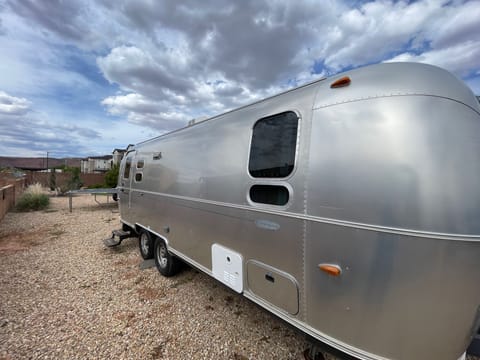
146,245
167,264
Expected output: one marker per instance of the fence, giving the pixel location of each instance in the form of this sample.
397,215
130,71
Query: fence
10,191
63,178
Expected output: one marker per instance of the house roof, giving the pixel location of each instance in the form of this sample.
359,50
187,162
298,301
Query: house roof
104,157
36,163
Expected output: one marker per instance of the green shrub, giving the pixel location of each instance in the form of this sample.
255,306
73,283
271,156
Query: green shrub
96,186
33,199
111,176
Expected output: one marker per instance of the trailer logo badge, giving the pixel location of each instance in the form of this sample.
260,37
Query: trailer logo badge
267,225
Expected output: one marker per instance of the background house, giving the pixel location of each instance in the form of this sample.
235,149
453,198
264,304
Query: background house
96,164
118,155
101,164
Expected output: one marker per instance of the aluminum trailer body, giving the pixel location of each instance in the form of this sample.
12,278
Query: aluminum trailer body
349,207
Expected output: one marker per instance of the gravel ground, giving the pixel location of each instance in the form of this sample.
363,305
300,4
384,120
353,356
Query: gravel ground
63,295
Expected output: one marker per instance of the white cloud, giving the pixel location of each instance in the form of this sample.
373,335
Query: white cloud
223,60
34,64
455,24
461,59
374,30
21,125
11,105
143,111
168,62
31,132
135,69
130,103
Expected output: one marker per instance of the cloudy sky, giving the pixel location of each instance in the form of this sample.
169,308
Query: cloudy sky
80,78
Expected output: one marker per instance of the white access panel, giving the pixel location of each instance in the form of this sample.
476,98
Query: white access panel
227,267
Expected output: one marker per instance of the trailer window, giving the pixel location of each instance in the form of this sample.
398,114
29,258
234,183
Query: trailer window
269,194
128,165
140,164
274,143
138,177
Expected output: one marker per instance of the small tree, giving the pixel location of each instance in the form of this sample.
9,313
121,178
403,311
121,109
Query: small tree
53,179
73,182
111,176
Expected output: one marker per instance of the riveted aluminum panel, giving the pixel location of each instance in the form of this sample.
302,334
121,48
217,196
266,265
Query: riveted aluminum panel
394,198
400,297
408,162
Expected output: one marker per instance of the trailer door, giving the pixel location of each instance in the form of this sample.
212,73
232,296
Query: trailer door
125,186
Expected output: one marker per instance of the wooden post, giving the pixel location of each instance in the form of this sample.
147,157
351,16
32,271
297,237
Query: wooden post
70,201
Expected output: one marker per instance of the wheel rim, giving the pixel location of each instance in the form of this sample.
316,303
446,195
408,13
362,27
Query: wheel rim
162,256
144,243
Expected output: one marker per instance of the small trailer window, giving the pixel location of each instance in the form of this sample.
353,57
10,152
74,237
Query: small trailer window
140,163
128,165
269,194
138,177
274,143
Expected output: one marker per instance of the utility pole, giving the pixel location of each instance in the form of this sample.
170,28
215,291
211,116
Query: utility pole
47,161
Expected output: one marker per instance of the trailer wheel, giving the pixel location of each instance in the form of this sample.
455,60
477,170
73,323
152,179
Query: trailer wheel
146,245
167,264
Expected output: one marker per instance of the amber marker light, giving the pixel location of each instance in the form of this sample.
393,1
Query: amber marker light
344,81
331,269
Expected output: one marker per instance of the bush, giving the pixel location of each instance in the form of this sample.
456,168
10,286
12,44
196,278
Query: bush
33,199
111,176
96,186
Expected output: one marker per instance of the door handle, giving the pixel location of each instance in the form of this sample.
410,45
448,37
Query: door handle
269,277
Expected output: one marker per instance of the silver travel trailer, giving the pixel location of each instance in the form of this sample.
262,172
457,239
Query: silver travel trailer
348,207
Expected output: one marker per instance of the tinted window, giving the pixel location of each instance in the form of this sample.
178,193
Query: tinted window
138,177
269,194
128,165
274,142
140,164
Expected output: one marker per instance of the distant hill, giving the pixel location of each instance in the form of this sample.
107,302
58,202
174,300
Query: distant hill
26,163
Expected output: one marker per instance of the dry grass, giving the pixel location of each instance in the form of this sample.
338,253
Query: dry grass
36,189
33,198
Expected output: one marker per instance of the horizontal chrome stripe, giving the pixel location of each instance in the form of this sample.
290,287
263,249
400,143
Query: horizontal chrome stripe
343,223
